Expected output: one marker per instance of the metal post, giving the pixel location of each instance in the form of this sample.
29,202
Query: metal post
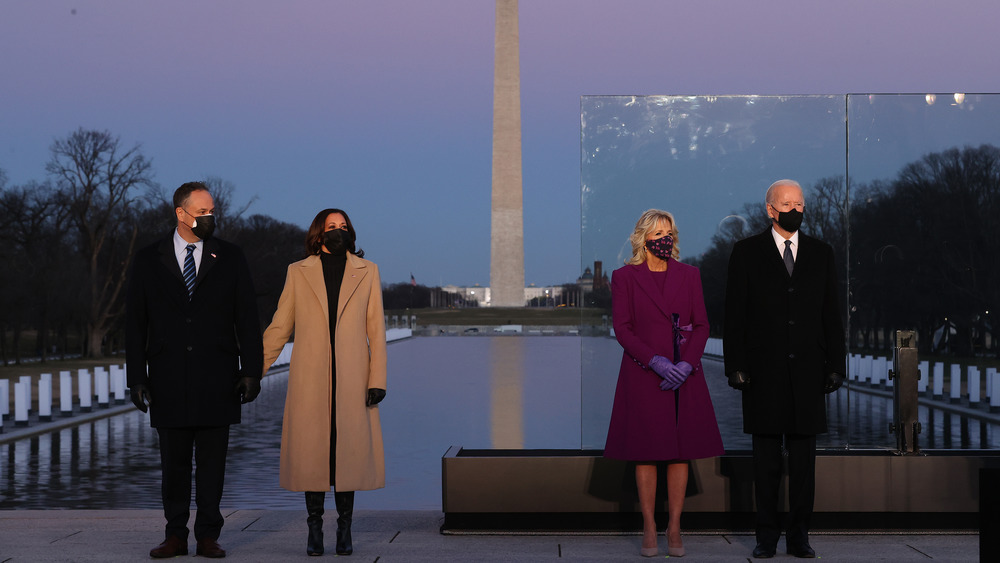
905,374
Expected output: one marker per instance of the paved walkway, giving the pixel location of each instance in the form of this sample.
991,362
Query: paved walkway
388,536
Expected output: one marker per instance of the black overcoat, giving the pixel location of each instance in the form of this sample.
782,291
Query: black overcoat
784,331
196,350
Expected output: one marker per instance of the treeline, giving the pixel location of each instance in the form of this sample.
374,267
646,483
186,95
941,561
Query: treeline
66,242
923,252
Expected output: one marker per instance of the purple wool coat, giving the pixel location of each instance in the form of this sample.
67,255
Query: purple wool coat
648,424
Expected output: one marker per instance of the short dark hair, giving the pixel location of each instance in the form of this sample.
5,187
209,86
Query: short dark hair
182,193
314,238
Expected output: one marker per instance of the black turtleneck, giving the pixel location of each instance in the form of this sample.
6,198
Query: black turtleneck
333,276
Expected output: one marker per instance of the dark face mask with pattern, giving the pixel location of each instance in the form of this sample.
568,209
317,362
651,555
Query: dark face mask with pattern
662,247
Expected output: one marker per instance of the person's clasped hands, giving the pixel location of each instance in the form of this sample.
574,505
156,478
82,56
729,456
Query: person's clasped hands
674,375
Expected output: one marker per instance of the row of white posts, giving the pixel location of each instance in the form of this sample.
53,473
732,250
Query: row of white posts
401,321
104,385
874,370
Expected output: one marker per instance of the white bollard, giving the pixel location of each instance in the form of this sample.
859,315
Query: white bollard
45,397
956,383
973,385
989,382
995,399
4,398
26,380
877,373
118,384
938,379
925,374
21,404
102,386
85,394
65,393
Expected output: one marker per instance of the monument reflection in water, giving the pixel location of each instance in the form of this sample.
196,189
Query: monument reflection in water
498,392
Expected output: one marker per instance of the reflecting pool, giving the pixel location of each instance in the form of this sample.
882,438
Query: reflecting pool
486,392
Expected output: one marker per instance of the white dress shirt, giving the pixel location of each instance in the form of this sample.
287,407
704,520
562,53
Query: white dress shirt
180,250
779,241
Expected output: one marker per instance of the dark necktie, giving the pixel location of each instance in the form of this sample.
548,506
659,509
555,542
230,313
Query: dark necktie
190,271
787,256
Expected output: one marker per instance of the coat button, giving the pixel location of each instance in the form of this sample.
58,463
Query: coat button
189,348
790,322
188,320
791,290
790,356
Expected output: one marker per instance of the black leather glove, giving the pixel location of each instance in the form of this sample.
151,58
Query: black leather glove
739,380
833,382
247,388
375,397
141,397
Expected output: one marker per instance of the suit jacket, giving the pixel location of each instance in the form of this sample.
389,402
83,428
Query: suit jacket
648,423
361,365
784,331
190,352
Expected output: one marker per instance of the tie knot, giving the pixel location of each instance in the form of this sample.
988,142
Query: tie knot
191,247
788,244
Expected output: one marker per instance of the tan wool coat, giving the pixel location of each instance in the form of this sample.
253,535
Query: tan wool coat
361,365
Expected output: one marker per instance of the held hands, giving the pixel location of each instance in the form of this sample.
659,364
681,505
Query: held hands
833,382
140,396
739,380
676,376
375,397
247,388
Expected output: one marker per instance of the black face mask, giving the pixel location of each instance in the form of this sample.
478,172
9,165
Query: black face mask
790,220
338,241
204,225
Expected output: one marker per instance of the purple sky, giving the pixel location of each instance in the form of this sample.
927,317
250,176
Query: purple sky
383,107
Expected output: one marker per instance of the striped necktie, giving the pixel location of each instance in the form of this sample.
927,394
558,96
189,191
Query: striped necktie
189,270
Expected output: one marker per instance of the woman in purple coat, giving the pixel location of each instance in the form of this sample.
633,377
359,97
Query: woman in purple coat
662,410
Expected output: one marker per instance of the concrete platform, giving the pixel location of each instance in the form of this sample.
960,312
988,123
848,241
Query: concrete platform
388,536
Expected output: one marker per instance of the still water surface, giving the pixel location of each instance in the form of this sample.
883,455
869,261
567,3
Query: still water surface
476,392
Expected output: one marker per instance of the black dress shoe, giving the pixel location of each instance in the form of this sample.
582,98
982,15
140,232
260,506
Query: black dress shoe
802,550
171,547
763,552
207,547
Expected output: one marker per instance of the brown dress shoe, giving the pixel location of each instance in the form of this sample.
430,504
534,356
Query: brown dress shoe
207,547
171,547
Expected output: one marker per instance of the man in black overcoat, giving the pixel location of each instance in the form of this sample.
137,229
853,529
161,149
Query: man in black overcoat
784,349
193,354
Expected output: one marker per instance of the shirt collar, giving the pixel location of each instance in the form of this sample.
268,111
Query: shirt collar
180,245
780,240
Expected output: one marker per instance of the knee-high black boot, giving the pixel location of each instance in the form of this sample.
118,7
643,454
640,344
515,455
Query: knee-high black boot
345,511
314,506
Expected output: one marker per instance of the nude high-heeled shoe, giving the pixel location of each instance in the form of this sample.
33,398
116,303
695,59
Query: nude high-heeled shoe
673,551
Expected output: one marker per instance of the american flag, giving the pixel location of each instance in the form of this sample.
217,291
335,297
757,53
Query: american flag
413,281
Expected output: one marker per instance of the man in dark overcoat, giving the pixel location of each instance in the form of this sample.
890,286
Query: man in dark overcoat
193,354
784,349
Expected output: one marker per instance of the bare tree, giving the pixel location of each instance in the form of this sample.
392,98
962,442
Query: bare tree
97,180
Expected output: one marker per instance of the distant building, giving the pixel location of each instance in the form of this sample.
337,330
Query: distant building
569,294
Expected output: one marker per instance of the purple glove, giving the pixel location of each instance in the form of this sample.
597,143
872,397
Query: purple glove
676,376
661,365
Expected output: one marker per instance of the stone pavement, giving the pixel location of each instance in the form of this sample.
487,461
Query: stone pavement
390,536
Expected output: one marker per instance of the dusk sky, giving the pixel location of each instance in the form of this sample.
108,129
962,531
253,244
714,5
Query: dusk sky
384,107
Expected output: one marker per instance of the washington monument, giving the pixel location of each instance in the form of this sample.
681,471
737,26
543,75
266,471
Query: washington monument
506,218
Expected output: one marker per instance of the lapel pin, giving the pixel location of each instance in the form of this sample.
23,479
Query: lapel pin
213,255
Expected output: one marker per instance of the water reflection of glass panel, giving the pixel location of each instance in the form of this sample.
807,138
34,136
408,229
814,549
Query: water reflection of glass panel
707,160
925,186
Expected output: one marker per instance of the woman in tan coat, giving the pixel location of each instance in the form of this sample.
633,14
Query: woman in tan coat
331,435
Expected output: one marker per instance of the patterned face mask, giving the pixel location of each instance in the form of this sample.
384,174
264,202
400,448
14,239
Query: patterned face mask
661,247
